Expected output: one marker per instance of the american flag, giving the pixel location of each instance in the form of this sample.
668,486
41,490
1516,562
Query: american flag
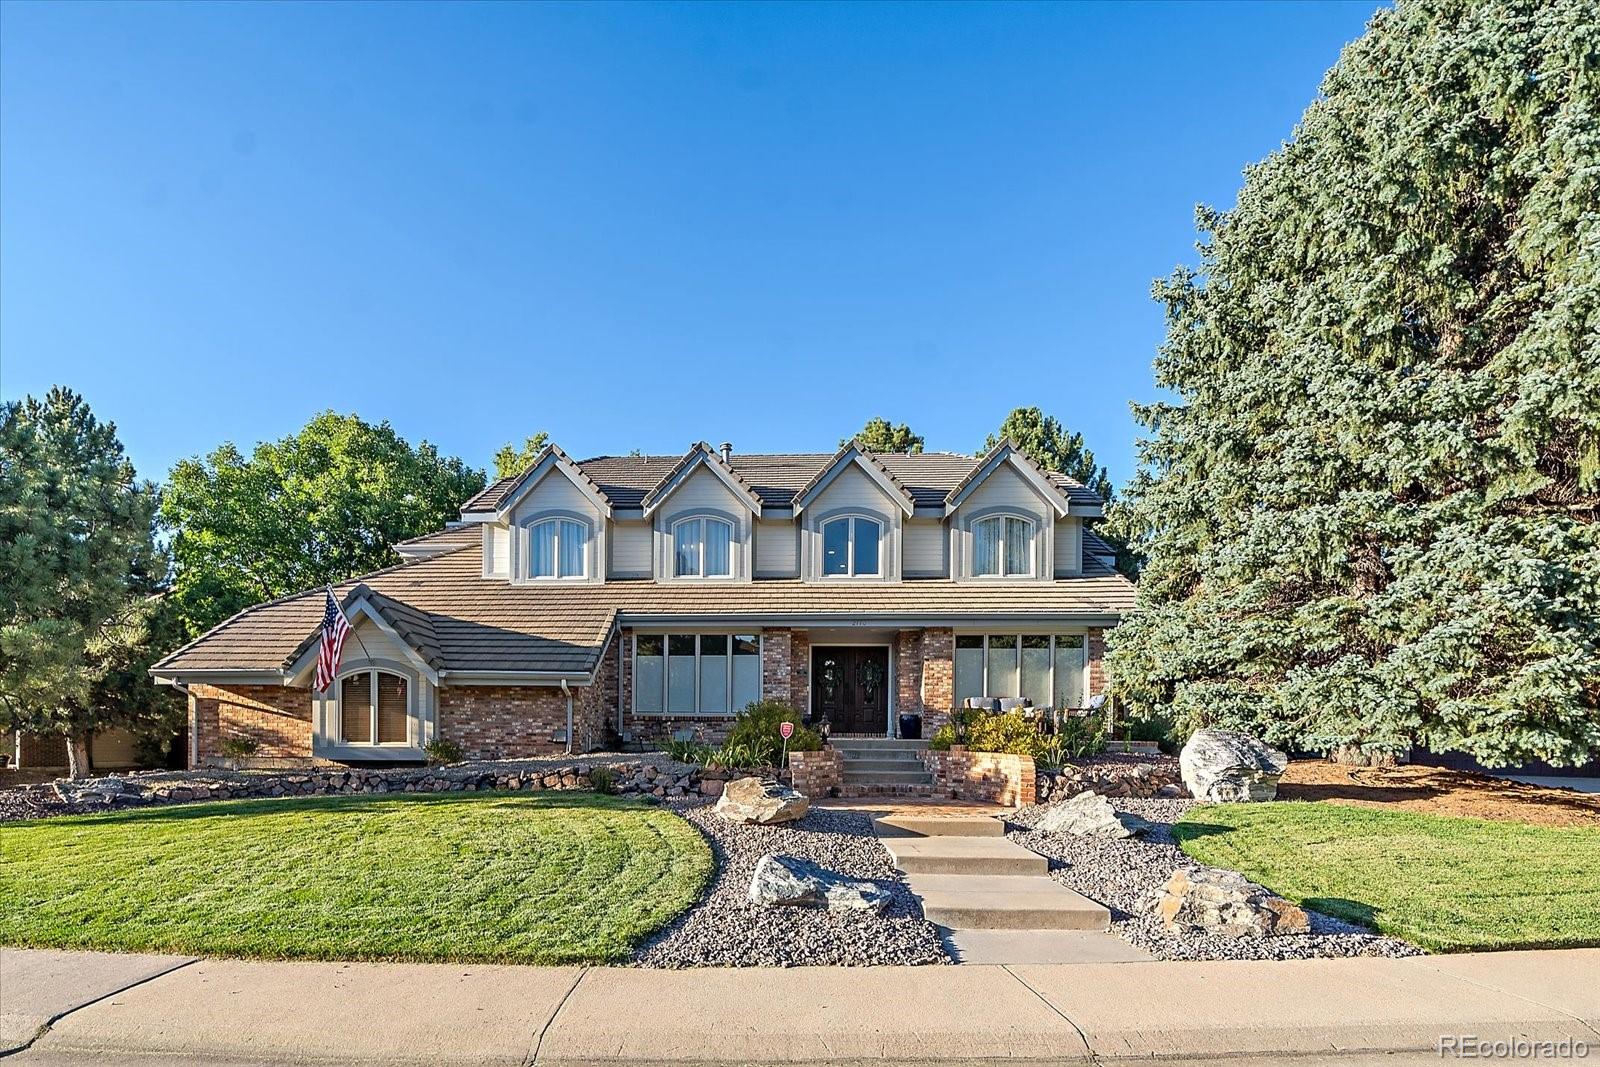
335,627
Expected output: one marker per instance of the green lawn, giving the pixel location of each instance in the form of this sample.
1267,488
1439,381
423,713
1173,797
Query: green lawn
541,878
1447,884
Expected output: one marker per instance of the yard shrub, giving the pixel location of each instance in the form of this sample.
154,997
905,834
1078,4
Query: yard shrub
755,734
443,750
239,747
603,780
1018,735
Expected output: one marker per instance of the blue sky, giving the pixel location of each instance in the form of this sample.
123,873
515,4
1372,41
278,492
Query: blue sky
634,226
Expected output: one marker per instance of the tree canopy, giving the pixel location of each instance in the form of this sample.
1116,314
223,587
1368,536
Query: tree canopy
1053,446
510,460
80,574
321,505
880,435
1369,513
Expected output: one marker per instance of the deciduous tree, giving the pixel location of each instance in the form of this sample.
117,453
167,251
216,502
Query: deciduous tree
1370,510
510,460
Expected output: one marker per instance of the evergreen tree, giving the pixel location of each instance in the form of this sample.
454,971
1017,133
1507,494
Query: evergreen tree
1370,512
79,574
880,435
320,506
510,460
1052,446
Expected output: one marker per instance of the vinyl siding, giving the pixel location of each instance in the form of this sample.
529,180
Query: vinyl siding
496,551
777,549
925,542
1069,547
630,549
1006,490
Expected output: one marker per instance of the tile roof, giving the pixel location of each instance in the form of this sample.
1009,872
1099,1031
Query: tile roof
777,478
465,622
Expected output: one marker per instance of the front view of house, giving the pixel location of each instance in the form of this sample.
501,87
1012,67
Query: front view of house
587,604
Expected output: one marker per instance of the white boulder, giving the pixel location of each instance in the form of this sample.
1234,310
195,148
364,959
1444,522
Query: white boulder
1227,766
756,800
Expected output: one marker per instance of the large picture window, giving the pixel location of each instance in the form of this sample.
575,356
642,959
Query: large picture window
373,708
558,548
695,674
1002,546
1048,669
850,546
702,548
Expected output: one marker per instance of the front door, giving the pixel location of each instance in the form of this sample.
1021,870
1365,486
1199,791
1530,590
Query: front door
850,688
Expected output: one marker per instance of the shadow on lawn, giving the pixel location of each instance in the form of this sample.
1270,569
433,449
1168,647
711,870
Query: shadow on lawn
188,811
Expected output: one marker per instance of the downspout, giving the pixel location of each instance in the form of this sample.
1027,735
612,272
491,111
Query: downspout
568,691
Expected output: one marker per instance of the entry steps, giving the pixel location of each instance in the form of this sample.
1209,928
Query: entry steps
869,761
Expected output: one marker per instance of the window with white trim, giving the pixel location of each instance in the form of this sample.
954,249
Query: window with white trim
374,707
1048,669
850,546
695,674
1002,546
702,547
558,548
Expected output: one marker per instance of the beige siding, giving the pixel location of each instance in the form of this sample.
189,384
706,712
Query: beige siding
703,491
496,551
1005,489
1069,547
113,747
777,549
630,548
853,489
926,541
555,492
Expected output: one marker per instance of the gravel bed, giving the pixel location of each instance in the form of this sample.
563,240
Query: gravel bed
725,930
1122,875
25,803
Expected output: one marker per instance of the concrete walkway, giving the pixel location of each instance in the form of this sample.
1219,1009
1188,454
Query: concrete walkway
1338,1011
994,900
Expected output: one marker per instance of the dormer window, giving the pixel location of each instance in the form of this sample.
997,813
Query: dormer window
558,548
850,546
1002,546
702,547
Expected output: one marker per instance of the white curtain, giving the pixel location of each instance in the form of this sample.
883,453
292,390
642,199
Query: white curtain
718,537
542,550
686,549
574,547
713,674
986,547
648,664
1069,683
1019,547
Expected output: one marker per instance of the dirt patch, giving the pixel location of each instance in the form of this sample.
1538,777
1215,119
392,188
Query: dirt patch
1436,791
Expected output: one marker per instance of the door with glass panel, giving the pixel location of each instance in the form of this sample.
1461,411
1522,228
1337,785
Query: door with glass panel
850,688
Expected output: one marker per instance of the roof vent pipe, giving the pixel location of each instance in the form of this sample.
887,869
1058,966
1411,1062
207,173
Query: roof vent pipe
727,451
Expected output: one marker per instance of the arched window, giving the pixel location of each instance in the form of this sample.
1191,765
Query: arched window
850,546
558,548
1002,545
373,708
702,547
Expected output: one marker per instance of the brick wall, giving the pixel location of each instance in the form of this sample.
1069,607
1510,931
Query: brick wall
1096,651
816,774
276,717
42,750
995,777
776,664
908,672
517,721
800,670
938,678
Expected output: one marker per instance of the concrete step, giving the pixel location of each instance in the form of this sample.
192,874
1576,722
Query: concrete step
906,777
986,902
876,744
1041,946
876,764
963,855
906,824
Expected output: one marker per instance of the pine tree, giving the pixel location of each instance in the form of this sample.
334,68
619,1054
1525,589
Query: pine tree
881,435
1369,513
1053,446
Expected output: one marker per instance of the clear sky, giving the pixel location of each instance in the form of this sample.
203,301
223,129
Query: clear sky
633,226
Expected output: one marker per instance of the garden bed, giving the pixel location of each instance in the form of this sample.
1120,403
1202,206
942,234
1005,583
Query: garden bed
1124,874
724,929
1436,791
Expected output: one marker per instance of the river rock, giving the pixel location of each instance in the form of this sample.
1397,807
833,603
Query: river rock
754,800
1225,902
1228,766
785,880
1090,815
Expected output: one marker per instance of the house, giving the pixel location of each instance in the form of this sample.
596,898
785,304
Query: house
585,603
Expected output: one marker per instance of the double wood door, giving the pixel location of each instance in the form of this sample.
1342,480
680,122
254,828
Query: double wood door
850,688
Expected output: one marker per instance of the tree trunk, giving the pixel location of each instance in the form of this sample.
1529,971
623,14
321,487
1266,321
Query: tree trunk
78,754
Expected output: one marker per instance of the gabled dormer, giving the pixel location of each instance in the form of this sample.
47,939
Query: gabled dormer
850,518
1003,518
550,524
702,520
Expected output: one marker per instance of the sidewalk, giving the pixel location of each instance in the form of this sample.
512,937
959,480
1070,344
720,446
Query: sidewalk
166,1009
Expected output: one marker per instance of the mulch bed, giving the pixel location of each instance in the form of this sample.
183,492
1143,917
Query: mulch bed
1436,791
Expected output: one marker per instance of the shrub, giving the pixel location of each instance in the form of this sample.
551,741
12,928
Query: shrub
443,750
603,780
687,751
239,747
1019,735
755,732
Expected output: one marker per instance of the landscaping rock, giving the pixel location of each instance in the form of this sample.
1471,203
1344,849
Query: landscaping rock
754,800
1228,903
1228,766
1089,815
785,880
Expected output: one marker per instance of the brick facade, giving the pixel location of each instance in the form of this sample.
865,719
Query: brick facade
994,777
816,774
521,721
800,671
938,678
777,664
1096,653
908,672
276,717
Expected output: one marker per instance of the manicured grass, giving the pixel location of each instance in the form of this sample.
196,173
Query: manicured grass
1447,884
543,878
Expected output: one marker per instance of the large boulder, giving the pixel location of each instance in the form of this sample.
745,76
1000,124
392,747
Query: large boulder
785,880
1225,902
756,800
1226,766
1089,815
